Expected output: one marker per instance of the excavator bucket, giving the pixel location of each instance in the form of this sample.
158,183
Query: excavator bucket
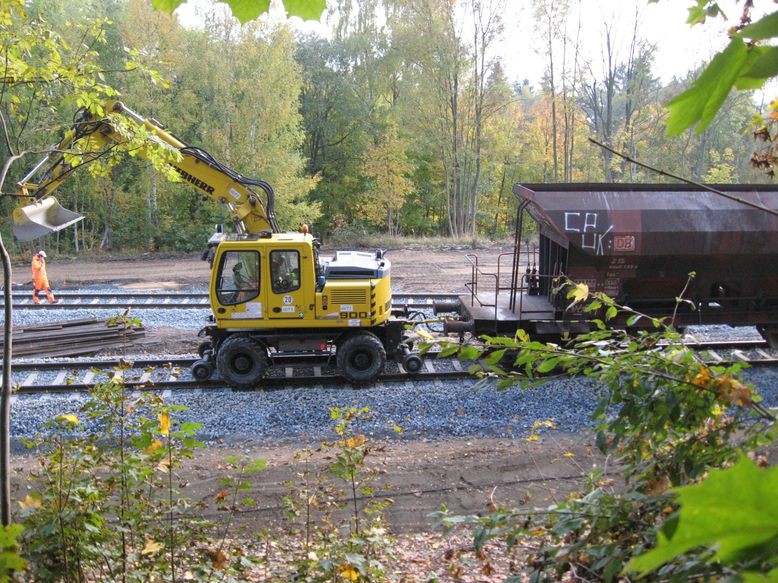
41,218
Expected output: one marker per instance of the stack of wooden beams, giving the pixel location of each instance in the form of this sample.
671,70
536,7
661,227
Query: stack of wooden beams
72,337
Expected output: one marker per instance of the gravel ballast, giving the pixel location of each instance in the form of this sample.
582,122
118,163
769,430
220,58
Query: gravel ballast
435,410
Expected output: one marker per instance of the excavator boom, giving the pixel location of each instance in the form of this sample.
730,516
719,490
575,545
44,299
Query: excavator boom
250,201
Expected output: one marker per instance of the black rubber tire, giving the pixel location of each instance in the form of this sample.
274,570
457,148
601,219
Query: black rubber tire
361,358
202,370
412,363
242,361
204,347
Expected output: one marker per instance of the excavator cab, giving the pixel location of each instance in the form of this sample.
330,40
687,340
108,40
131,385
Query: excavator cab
41,218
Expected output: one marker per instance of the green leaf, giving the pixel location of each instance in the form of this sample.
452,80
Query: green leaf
448,350
633,319
9,534
548,365
246,10
474,369
700,103
494,357
765,65
190,427
256,466
766,27
306,9
469,352
731,511
696,15
750,577
167,5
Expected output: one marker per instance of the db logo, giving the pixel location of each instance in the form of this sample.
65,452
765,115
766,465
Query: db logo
624,243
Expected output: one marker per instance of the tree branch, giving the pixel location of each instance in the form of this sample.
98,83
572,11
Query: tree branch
699,185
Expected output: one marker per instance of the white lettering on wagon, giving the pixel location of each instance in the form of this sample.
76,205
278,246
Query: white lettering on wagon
587,225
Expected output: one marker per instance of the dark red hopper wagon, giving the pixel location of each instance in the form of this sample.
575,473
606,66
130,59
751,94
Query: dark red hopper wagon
637,243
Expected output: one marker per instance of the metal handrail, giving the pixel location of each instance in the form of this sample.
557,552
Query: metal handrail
477,275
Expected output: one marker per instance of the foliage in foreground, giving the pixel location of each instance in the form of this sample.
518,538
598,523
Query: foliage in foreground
245,10
106,504
674,428
334,513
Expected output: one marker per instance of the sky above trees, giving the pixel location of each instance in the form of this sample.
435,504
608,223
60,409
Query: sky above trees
680,47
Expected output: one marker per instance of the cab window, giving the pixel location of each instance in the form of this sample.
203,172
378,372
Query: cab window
238,277
285,271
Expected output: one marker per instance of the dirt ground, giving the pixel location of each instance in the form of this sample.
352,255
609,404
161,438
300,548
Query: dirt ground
431,270
413,270
468,476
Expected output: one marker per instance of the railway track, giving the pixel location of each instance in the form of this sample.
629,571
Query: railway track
161,300
56,376
171,373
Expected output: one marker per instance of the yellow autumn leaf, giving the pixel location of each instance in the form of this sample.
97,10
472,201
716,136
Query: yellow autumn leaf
151,547
533,437
69,417
579,293
425,335
164,422
543,423
155,445
348,572
702,379
657,485
164,466
732,391
355,441
30,502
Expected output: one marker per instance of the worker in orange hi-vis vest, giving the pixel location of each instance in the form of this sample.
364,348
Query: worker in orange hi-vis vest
39,278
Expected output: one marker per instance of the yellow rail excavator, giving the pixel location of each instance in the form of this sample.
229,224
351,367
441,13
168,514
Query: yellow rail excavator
271,293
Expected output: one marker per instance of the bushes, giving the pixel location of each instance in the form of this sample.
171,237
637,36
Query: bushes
107,504
667,419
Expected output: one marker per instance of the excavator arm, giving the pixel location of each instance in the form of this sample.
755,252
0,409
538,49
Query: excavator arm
249,201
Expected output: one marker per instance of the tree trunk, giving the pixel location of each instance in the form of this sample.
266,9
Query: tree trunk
5,397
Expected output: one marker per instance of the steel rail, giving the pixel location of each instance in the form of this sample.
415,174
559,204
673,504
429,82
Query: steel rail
164,373
159,300
70,376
